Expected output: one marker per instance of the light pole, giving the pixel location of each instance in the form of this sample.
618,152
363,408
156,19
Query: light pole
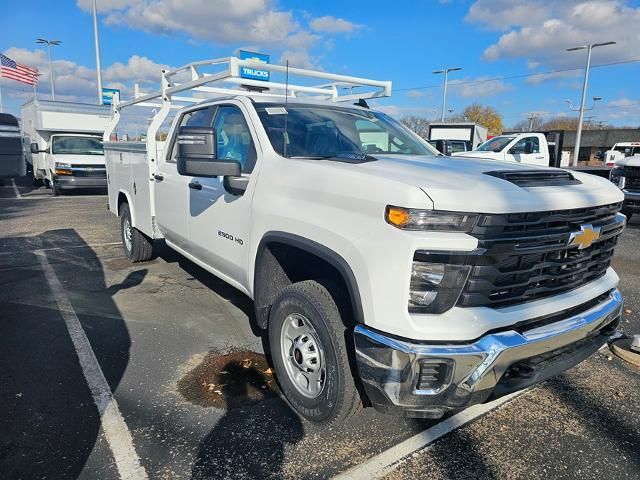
444,88
49,43
588,47
97,46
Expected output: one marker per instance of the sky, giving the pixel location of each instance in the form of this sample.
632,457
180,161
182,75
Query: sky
506,48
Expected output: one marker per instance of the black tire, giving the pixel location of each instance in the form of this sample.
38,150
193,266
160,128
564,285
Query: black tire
628,213
139,248
37,182
55,190
338,398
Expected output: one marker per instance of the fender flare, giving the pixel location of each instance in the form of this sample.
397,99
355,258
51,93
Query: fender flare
321,251
130,203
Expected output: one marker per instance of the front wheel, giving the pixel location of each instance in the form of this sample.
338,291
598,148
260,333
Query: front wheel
307,339
55,189
628,213
137,246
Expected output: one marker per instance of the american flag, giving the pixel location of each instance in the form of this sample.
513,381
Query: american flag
15,71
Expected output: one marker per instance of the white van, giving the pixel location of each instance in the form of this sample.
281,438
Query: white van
66,144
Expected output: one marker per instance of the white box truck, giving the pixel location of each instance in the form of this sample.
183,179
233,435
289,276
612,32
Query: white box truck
462,137
66,143
383,272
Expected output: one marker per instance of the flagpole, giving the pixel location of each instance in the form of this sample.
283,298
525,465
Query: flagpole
1,107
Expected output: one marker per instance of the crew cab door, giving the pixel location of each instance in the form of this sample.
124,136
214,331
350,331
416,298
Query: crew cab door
171,188
218,220
527,150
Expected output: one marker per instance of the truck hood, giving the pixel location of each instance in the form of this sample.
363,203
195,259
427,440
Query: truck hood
78,159
476,154
633,161
461,184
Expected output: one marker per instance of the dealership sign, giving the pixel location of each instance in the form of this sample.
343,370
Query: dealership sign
254,73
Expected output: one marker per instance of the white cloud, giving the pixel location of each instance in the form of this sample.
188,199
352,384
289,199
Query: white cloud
541,31
399,111
621,110
331,24
227,22
415,93
137,70
483,86
544,77
75,82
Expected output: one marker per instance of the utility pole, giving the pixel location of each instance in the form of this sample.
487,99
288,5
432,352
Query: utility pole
589,47
97,46
532,116
444,88
49,43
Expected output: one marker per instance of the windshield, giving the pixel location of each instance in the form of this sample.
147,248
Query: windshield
322,131
496,144
77,146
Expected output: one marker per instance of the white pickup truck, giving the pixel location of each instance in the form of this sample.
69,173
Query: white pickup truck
626,175
383,272
530,148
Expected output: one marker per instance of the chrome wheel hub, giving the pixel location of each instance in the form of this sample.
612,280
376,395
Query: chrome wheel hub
127,234
302,355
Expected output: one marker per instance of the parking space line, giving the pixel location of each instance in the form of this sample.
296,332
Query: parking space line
113,425
15,188
387,461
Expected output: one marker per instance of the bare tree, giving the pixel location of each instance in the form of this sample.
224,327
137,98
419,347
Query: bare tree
419,125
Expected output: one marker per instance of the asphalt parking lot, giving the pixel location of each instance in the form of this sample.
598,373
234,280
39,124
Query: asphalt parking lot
159,330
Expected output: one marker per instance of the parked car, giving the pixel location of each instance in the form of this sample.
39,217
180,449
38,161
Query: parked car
383,271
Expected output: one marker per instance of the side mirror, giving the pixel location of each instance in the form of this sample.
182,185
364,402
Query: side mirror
34,148
444,147
197,157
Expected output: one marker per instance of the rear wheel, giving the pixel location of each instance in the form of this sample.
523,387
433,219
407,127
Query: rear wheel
137,246
307,340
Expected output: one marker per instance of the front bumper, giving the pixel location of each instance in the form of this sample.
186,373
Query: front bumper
498,363
632,200
70,182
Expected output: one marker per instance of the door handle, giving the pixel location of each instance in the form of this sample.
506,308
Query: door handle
158,177
195,186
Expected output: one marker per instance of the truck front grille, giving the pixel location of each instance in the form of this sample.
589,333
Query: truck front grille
89,170
527,256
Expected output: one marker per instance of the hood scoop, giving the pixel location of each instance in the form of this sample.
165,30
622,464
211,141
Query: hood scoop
536,178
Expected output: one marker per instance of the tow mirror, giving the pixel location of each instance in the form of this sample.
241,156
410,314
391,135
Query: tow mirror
197,157
34,148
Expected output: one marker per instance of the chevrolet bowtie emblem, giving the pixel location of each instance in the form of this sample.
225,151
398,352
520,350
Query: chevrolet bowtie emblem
585,237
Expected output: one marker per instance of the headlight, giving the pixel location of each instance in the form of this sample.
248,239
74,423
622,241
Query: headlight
63,169
617,177
435,287
417,219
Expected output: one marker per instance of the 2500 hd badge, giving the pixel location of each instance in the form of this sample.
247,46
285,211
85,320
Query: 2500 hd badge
228,236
